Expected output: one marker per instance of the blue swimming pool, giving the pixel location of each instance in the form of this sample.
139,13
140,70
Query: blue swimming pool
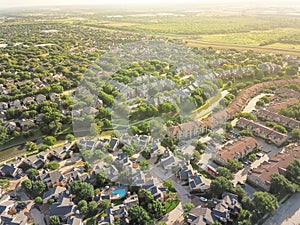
120,192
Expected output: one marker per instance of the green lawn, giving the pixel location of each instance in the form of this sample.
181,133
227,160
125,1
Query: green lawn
170,205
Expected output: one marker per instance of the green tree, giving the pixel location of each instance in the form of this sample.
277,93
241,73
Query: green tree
27,185
220,185
279,184
247,133
128,149
54,220
145,197
82,190
265,202
52,165
239,191
200,146
82,203
70,137
32,173
156,209
138,216
227,126
224,172
30,146
38,188
293,171
104,204
145,166
49,140
234,165
38,200
187,207
169,142
3,134
101,179
92,207
169,184
296,134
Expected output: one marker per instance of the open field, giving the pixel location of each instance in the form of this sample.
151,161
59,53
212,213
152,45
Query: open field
261,49
273,31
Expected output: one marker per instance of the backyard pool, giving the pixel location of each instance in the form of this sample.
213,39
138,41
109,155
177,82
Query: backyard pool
119,193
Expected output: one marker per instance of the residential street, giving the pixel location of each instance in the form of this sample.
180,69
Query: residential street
285,214
183,194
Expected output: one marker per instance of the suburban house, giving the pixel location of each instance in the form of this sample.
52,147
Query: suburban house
169,161
218,210
62,152
53,193
64,207
196,184
36,161
277,118
52,178
11,169
186,131
262,131
261,176
236,150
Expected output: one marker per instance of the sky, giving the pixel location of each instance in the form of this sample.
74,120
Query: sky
30,3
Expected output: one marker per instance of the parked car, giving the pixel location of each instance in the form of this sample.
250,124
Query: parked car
203,199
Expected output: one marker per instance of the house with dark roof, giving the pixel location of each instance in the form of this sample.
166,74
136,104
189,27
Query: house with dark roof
53,193
64,207
52,178
10,170
63,152
222,210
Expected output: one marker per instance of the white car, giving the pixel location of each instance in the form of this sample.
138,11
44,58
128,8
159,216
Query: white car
203,199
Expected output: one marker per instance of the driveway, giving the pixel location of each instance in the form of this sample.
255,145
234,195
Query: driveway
288,213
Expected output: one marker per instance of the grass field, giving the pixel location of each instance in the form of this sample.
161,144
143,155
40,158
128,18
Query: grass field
253,30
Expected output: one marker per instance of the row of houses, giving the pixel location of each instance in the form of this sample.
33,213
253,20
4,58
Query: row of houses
241,100
39,98
277,118
261,176
262,131
15,168
236,150
188,130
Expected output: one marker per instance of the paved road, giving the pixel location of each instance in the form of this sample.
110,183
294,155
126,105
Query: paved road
284,214
183,194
